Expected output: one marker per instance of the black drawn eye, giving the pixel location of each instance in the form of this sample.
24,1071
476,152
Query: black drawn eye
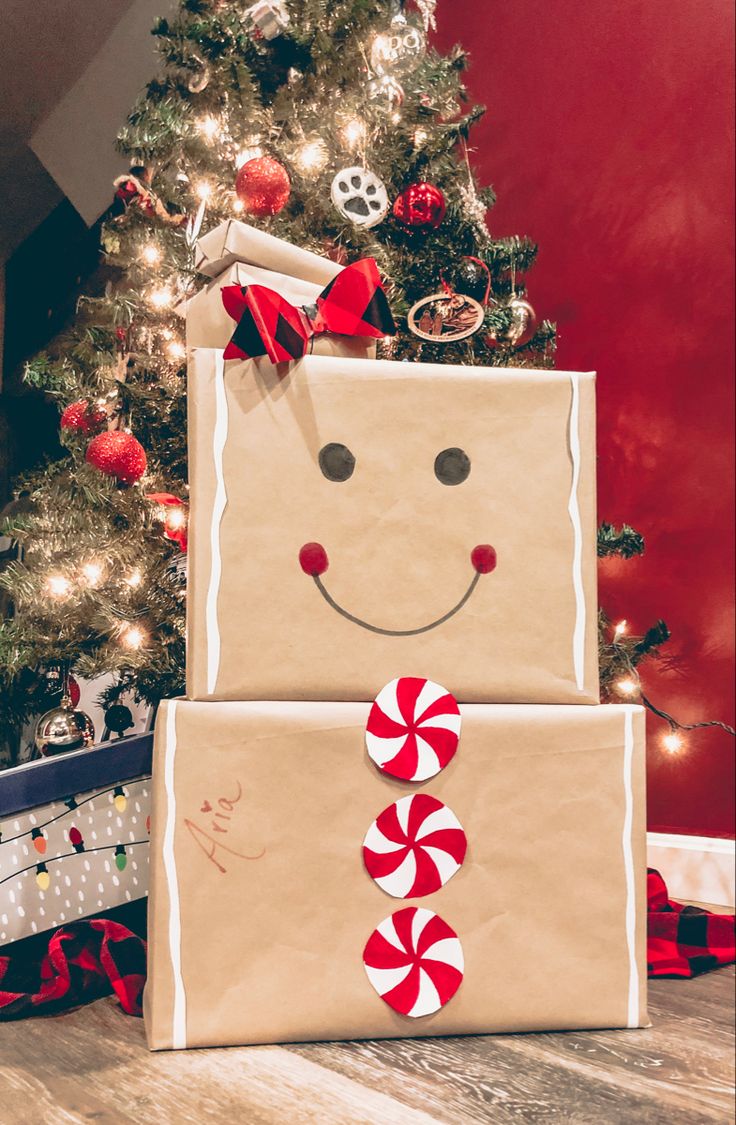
336,461
452,466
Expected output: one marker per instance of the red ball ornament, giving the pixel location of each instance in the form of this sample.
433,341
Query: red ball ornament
82,417
263,186
119,455
420,205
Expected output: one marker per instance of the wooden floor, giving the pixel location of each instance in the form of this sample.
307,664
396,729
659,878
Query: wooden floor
92,1065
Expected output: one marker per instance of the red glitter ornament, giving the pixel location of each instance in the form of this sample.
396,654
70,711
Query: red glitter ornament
119,455
263,186
82,417
420,205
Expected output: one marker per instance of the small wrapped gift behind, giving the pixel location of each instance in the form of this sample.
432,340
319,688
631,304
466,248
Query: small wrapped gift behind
301,890
237,254
351,519
73,836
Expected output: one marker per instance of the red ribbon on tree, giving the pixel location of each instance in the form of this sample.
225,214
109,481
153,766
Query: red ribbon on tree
353,304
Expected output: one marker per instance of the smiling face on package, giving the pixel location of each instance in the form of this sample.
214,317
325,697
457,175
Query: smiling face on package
358,520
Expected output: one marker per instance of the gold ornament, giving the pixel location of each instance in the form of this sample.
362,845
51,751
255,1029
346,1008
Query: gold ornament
63,729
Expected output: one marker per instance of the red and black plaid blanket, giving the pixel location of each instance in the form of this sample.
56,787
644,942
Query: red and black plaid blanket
89,959
683,941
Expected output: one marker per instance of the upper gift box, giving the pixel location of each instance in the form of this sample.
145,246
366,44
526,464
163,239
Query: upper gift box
235,254
352,522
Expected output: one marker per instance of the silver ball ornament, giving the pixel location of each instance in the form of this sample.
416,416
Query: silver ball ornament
521,325
63,729
399,49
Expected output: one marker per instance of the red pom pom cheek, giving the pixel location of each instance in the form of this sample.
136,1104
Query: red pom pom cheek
313,559
483,558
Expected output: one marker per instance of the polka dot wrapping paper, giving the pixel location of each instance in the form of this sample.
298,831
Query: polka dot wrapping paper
74,856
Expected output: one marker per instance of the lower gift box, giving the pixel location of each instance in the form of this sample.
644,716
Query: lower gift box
74,833
303,889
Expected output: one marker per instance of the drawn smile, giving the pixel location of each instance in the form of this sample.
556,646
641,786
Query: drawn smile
314,562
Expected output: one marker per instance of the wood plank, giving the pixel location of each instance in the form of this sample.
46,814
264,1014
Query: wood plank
93,1065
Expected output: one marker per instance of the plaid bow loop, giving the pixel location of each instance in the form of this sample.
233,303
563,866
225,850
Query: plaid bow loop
353,304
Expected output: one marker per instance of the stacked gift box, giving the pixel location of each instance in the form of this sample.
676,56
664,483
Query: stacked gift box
391,803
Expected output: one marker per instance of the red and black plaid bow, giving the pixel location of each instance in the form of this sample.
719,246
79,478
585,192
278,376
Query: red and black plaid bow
353,304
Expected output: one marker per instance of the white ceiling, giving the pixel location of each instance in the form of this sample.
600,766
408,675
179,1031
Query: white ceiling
69,72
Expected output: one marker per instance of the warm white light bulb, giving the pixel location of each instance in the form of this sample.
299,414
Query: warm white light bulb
133,637
151,254
92,572
176,350
312,156
58,586
175,519
672,742
420,137
621,628
208,127
627,687
354,132
238,206
161,298
203,190
133,579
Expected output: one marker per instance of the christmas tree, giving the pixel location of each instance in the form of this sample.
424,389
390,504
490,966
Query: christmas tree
334,126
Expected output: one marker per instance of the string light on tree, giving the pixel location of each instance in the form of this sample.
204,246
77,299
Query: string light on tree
209,127
92,573
627,687
151,254
354,133
133,637
620,629
58,586
312,157
203,190
133,579
176,350
161,298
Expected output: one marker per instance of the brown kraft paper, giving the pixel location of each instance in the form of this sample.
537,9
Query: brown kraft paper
399,541
232,241
549,904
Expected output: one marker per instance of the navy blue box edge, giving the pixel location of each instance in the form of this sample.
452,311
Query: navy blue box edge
54,779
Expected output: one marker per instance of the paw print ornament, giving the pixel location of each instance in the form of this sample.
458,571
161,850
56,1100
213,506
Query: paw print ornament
360,196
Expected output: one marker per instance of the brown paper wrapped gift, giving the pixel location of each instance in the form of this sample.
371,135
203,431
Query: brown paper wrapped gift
410,480
261,905
237,254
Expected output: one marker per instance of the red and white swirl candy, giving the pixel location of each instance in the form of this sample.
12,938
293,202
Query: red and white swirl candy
414,961
414,847
413,728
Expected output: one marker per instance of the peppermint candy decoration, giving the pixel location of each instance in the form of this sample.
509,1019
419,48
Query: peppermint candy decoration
413,728
414,961
414,847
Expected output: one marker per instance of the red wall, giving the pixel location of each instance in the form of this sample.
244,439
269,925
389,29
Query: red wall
608,139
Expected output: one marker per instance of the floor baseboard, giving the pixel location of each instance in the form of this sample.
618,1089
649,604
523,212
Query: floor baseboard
695,868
